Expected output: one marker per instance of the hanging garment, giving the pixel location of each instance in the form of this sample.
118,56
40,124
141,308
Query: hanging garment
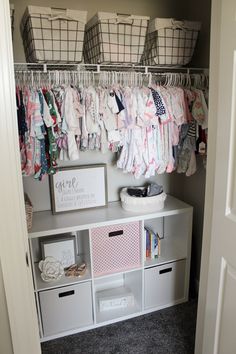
154,130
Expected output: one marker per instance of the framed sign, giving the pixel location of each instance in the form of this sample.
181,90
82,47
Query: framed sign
62,249
78,187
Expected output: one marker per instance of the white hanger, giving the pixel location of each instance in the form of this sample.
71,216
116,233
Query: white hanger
149,79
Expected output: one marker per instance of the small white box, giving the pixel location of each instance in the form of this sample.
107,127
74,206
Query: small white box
116,298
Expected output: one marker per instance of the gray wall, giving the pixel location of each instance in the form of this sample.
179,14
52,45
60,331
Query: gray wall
193,188
192,191
5,334
200,10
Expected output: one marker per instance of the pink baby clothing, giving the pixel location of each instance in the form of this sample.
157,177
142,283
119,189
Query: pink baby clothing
106,115
91,110
72,120
199,108
150,109
30,136
177,104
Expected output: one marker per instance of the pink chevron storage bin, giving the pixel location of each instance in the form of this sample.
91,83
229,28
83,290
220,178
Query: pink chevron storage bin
116,248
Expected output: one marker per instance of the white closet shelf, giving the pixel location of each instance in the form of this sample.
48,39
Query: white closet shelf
45,224
97,68
63,281
106,316
172,250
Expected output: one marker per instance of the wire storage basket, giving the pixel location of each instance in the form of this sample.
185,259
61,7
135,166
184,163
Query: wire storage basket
170,42
115,38
53,35
28,211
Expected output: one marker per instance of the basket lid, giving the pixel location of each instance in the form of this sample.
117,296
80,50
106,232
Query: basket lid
160,23
76,15
116,17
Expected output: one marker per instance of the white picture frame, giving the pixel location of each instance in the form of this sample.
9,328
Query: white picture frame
78,187
62,249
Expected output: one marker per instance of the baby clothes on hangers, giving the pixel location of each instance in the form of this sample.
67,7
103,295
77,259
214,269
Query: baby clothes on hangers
160,107
40,160
71,117
154,129
51,132
22,126
149,107
199,108
28,168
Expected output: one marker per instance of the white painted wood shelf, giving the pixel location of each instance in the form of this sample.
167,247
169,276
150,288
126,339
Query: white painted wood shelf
63,281
61,300
45,224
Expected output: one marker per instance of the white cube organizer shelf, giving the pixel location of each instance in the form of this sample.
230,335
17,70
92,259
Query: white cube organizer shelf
120,282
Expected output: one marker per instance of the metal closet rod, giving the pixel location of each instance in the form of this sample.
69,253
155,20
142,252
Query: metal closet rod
97,68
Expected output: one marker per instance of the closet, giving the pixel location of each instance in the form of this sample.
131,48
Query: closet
188,189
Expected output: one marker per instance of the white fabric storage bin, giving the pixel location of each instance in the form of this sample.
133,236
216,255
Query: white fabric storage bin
66,308
115,38
170,42
145,204
165,284
53,35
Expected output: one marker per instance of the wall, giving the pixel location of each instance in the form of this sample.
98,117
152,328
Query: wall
194,194
193,188
5,334
192,191
200,11
116,179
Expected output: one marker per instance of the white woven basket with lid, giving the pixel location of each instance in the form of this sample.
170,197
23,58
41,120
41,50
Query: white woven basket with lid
112,38
53,35
170,42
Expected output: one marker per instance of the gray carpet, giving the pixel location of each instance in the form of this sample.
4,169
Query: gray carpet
169,331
